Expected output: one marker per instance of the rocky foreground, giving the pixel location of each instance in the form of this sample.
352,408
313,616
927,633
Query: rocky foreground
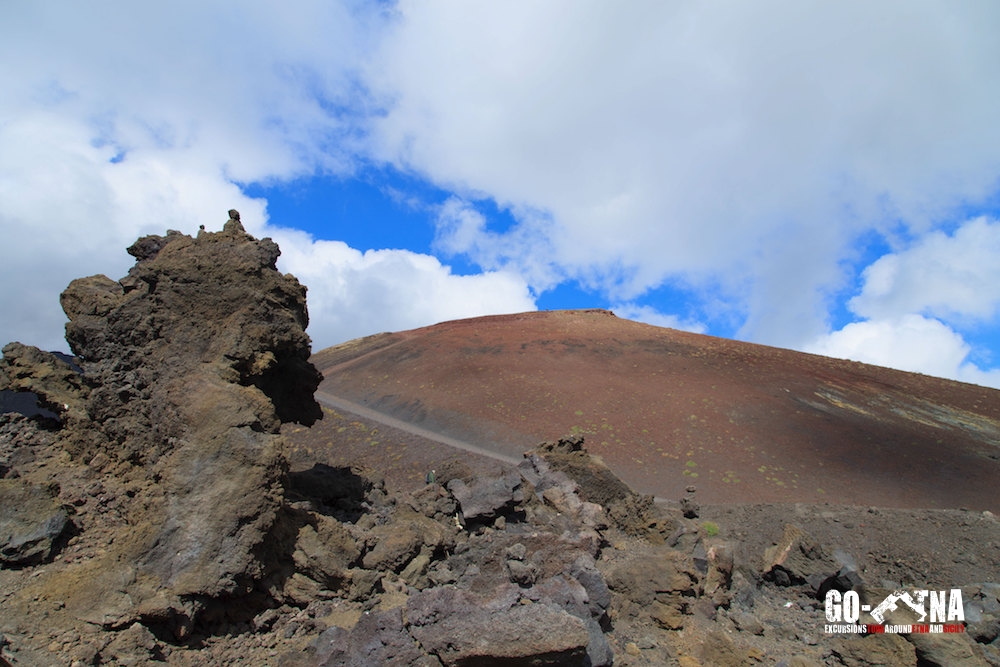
148,514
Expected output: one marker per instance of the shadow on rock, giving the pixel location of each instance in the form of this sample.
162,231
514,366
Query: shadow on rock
337,492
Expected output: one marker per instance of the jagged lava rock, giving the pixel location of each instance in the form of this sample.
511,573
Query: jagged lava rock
462,628
31,523
216,301
485,499
798,559
189,366
195,358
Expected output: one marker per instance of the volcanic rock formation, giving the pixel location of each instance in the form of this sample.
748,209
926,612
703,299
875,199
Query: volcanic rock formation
188,366
149,513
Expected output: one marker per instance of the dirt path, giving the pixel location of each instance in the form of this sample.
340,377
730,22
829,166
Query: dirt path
889,546
339,403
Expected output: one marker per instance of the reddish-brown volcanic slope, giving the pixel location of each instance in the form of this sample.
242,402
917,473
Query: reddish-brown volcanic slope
666,409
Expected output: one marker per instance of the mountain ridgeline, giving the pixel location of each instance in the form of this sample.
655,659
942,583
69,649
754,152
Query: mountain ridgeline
193,486
667,409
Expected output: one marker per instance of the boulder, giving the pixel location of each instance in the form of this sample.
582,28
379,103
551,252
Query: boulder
944,650
462,628
392,545
395,545
446,625
882,649
583,487
485,498
570,595
325,552
377,639
798,559
585,571
644,580
32,523
45,386
214,308
596,482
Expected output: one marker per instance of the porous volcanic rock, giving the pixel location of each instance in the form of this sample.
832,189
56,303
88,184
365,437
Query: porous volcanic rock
450,623
186,369
150,515
193,360
31,523
798,559
194,317
487,498
157,452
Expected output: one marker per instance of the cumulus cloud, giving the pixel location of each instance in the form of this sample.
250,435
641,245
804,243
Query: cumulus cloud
670,140
461,229
650,315
249,92
912,343
131,120
735,153
944,275
352,294
906,295
121,120
68,212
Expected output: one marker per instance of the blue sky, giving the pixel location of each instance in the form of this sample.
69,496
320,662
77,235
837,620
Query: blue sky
823,177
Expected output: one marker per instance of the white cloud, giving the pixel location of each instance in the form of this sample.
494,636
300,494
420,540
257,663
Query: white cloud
131,120
742,147
910,342
908,296
69,212
352,294
462,230
125,119
650,315
248,91
669,140
946,276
